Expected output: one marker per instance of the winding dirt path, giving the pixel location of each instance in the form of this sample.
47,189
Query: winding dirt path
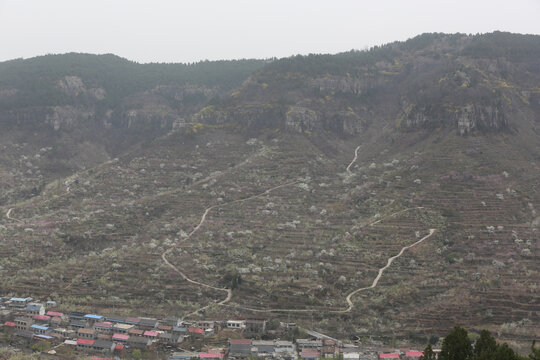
201,222
381,271
8,214
354,159
229,291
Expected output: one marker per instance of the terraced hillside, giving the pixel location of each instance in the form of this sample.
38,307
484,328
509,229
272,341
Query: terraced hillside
264,206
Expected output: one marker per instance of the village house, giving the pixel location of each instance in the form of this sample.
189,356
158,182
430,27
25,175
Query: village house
56,321
173,321
121,338
184,355
148,323
25,334
9,325
103,346
115,319
86,333
122,328
135,332
16,302
44,337
132,320
206,324
262,347
152,335
389,356
165,328
170,339
180,331
55,313
310,354
92,318
239,348
351,353
85,344
139,342
38,329
255,326
211,356
196,333
308,344
64,332
35,309
285,349
50,304
103,327
236,324
42,319
22,324
104,337
413,355
78,324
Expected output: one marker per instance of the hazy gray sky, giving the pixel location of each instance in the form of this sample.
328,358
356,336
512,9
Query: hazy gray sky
191,30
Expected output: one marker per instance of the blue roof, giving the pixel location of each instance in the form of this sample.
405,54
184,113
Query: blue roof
39,327
33,307
19,299
180,329
92,316
46,337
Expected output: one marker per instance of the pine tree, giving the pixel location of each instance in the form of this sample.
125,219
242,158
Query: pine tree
456,346
485,346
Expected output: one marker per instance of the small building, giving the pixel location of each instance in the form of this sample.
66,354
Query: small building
103,346
78,324
22,323
239,348
85,344
196,333
170,339
86,333
308,343
173,321
42,319
44,337
35,309
260,347
135,332
38,329
104,337
255,326
121,338
413,355
284,347
92,318
206,324
185,355
310,354
351,353
25,334
211,356
16,302
132,320
9,324
389,356
180,331
122,328
64,332
165,328
116,319
148,323
104,327
50,304
236,324
152,335
55,313
139,342
56,321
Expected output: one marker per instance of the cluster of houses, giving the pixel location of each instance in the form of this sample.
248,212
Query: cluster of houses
107,334
112,334
309,349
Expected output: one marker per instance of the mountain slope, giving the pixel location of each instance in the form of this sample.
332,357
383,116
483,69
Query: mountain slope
264,186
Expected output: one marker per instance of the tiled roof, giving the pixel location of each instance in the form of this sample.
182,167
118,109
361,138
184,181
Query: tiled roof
120,337
196,330
54,313
414,354
42,317
150,333
389,356
240,341
85,342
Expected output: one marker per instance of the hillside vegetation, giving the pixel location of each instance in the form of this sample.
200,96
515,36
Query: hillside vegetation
291,182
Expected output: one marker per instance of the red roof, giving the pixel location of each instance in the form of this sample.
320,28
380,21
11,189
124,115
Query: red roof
120,337
119,347
211,356
42,317
9,323
85,342
414,354
389,356
240,341
54,313
150,333
196,330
